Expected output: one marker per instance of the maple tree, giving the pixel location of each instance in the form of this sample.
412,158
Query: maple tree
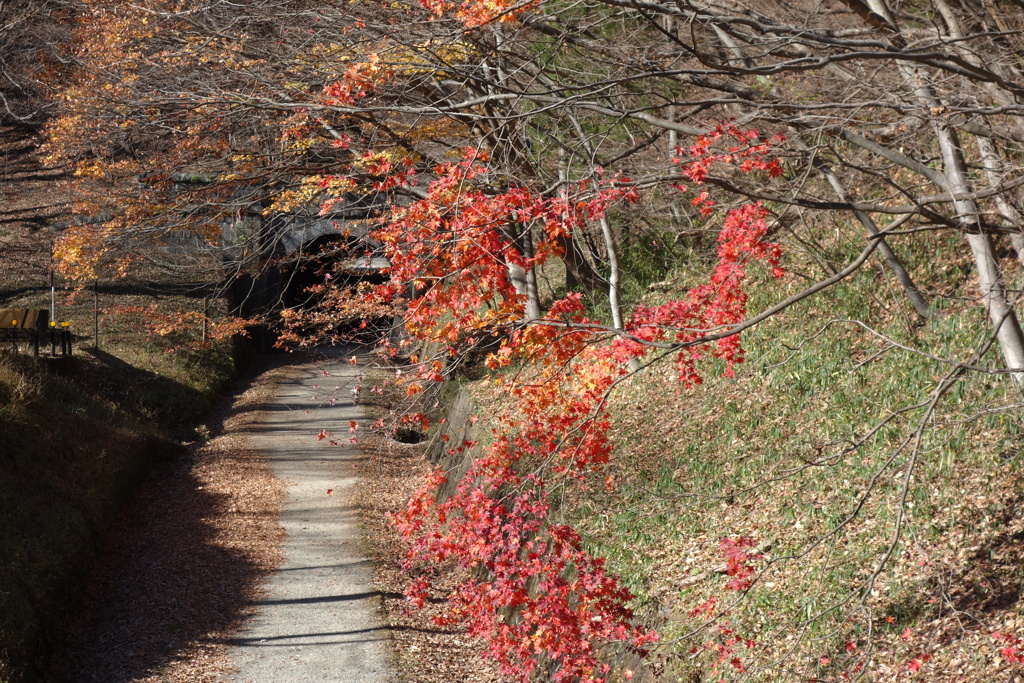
495,138
498,519
266,113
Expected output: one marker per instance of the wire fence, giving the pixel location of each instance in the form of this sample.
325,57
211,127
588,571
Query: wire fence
111,315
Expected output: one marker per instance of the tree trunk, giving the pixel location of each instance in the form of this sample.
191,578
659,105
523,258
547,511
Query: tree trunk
995,171
955,180
614,276
525,281
914,294
957,183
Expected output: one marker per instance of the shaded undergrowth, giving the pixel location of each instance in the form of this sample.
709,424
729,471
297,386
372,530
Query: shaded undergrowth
77,437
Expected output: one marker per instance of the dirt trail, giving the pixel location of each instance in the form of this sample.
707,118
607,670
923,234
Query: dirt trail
320,618
196,559
193,584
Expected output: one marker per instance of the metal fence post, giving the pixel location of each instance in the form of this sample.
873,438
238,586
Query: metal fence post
96,315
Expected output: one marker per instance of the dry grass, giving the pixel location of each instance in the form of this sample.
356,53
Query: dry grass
765,455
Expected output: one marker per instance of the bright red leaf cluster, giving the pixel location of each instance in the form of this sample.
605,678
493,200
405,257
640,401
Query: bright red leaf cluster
472,13
738,555
1013,648
455,246
497,524
535,596
722,302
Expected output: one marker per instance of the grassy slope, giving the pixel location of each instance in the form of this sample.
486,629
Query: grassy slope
765,455
76,436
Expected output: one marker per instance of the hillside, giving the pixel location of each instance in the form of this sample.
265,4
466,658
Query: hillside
735,288
78,434
843,425
881,498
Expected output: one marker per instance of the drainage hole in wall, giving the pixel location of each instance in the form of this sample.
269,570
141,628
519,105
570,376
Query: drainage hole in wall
407,435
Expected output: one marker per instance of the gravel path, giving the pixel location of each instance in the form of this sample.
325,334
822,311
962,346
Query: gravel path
319,620
193,588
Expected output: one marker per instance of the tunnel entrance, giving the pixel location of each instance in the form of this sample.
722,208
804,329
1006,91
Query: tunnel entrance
320,291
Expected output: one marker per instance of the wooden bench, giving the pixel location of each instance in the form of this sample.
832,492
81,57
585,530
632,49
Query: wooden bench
31,324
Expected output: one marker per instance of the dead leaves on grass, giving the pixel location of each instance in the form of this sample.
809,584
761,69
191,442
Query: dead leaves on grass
182,569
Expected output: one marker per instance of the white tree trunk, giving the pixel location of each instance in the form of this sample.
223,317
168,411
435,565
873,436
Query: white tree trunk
525,281
995,171
614,276
990,280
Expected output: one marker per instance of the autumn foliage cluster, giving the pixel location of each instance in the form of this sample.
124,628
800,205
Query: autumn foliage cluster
536,597
480,145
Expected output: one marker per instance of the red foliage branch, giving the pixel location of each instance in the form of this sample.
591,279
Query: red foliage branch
726,645
472,13
535,596
455,246
722,301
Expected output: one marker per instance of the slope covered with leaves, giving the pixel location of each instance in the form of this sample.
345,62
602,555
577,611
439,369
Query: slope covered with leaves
880,501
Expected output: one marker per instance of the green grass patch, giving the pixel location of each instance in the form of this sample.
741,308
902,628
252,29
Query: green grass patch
822,413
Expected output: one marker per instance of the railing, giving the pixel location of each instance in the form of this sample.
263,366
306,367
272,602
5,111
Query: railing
31,326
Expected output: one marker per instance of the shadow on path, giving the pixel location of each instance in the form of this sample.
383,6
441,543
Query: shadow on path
149,567
173,577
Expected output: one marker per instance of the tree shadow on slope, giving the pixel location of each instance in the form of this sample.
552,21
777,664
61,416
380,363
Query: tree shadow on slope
989,578
181,565
977,586
167,581
153,397
69,459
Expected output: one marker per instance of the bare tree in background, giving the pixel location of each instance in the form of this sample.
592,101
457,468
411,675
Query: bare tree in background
32,55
